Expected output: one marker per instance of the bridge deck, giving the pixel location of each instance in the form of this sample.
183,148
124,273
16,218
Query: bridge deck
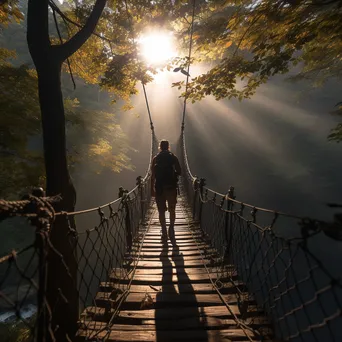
171,297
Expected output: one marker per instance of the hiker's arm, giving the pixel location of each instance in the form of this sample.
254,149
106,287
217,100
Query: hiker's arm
177,167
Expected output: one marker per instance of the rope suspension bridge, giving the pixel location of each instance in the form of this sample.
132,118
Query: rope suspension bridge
227,275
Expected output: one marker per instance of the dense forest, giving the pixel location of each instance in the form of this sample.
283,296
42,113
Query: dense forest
240,45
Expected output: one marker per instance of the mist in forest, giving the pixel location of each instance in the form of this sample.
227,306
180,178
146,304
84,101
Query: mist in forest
272,148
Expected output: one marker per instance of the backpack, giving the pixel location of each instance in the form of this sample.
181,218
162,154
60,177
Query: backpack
164,170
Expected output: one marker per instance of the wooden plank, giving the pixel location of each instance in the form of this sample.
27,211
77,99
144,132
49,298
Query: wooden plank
180,238
164,271
173,288
166,313
181,249
152,253
185,258
178,234
157,242
171,263
161,299
168,335
171,244
179,228
150,315
194,322
180,222
188,323
172,278
179,242
200,322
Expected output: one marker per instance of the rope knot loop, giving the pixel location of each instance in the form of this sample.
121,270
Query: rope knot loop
42,209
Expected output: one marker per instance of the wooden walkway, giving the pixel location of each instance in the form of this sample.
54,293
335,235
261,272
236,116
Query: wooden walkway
171,297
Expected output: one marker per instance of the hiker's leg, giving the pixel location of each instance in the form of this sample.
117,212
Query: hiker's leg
172,201
162,221
172,216
161,205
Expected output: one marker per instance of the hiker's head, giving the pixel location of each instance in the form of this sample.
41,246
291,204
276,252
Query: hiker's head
164,145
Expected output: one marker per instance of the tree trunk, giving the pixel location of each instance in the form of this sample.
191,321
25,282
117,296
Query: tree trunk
53,123
62,276
62,294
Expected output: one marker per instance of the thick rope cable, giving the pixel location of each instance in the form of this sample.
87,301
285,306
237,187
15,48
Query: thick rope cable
136,51
147,106
189,63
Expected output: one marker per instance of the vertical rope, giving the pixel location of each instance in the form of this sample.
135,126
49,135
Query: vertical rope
53,7
189,62
148,107
143,85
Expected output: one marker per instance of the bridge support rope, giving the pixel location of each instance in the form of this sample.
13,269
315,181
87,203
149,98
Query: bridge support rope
275,256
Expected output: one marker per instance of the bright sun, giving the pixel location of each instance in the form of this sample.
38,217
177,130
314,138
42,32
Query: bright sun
157,47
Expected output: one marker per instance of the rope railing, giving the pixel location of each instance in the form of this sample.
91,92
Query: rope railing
48,285
272,259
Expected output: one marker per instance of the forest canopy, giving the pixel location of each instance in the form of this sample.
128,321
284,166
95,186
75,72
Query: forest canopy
241,45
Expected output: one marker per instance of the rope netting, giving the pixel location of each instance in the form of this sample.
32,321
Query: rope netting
269,262
46,284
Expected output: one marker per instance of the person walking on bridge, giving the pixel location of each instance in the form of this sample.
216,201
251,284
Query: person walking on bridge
164,179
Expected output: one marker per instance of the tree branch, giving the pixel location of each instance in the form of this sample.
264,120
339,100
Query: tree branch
75,43
67,19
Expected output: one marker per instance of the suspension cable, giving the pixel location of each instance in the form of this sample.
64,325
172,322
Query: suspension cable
142,83
148,107
189,62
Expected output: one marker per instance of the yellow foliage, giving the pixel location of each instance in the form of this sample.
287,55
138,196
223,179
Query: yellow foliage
9,12
101,147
